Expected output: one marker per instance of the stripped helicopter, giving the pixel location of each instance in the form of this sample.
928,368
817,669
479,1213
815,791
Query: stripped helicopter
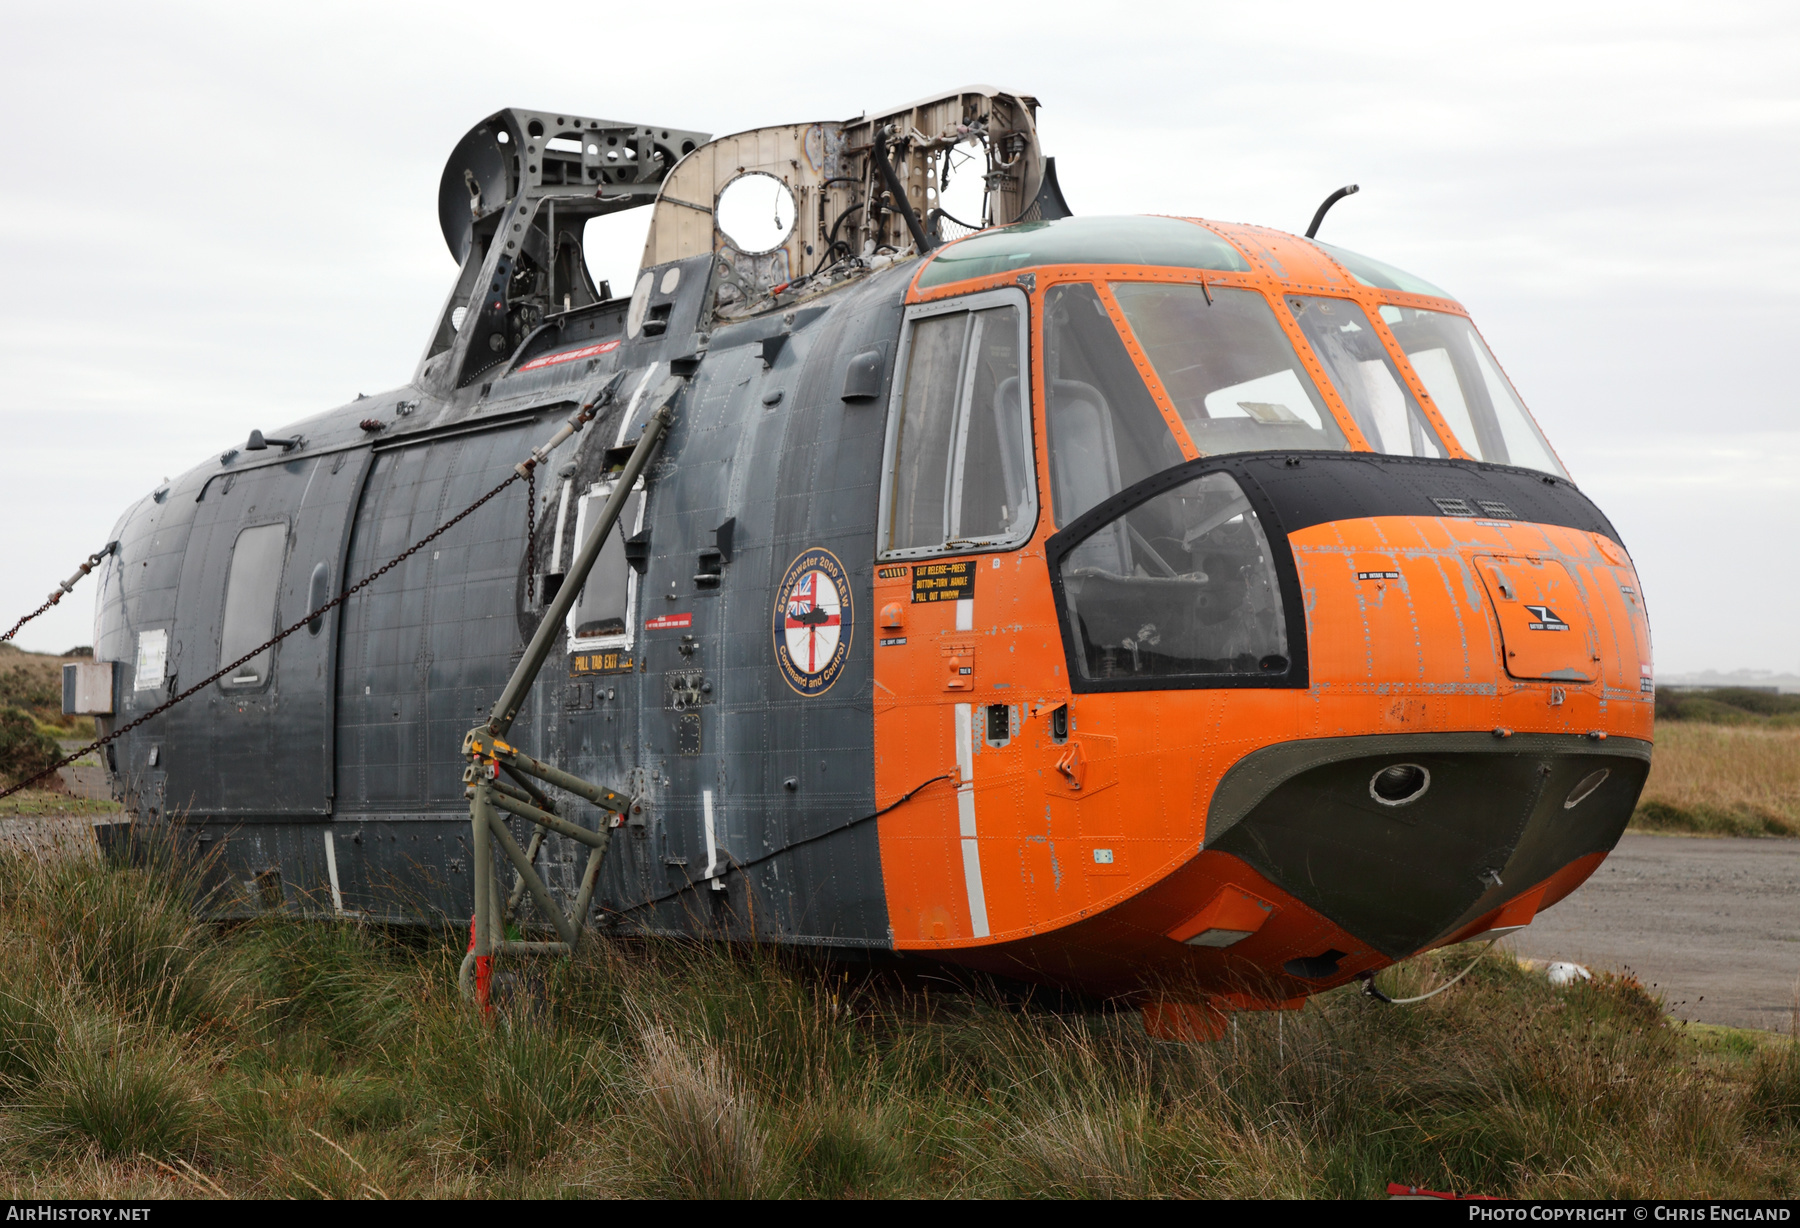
1181,612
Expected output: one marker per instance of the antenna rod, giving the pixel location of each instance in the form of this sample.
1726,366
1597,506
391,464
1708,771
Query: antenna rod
1349,189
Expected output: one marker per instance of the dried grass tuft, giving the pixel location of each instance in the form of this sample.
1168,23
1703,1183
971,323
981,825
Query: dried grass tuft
704,1120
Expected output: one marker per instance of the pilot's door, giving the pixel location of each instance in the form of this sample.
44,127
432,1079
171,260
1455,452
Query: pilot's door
959,492
267,547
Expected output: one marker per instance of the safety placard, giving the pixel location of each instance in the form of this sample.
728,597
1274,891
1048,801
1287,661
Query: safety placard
556,360
601,663
944,581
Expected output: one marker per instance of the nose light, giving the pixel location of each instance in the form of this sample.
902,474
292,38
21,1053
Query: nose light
1400,784
1582,791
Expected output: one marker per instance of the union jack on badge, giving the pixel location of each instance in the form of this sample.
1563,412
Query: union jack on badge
813,621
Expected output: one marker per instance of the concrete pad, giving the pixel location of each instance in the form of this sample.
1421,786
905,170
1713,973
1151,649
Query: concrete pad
1713,925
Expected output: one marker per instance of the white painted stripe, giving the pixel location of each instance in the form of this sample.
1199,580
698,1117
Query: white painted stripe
562,518
965,811
337,897
965,817
965,614
712,844
978,922
637,395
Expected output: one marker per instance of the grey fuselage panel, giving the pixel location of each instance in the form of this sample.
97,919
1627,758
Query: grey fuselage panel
334,780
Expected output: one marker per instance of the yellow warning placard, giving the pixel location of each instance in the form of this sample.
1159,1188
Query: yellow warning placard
944,581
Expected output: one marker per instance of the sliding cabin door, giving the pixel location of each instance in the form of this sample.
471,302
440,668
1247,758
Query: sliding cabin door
267,547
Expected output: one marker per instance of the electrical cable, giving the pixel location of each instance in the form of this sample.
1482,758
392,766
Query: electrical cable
740,866
831,240
1370,990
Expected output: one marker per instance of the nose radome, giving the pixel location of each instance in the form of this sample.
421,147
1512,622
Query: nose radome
1402,838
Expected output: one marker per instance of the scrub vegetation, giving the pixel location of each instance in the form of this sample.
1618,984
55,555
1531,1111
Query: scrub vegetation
1727,763
34,733
32,683
143,1053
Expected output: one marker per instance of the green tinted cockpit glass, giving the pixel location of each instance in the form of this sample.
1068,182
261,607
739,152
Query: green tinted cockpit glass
1381,276
1085,240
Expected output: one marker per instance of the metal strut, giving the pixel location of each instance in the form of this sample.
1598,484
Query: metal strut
491,798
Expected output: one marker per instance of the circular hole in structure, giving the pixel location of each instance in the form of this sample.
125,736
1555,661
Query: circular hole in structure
1581,792
502,137
1399,785
535,128
756,212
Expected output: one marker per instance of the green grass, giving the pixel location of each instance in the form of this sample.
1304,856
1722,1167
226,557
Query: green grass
40,803
143,1053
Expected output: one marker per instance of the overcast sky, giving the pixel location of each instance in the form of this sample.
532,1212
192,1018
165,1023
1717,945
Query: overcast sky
220,217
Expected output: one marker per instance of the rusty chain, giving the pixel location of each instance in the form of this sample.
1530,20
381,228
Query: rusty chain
26,619
530,536
67,586
392,563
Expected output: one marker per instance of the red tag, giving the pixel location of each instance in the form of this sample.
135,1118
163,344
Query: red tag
588,351
665,622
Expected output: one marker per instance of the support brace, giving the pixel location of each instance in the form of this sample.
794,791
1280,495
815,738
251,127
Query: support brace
491,798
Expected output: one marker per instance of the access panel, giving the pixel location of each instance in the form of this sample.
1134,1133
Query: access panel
1544,626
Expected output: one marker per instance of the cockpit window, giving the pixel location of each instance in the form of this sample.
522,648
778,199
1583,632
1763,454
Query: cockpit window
1182,584
1380,276
1366,376
1105,431
1230,370
1470,391
960,474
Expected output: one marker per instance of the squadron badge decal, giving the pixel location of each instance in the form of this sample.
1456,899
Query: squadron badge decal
813,621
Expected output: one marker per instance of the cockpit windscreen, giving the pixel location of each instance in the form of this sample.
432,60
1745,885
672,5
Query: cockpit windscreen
1230,370
1469,389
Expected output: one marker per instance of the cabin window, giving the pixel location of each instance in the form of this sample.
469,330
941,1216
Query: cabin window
1183,584
1366,376
960,475
1105,430
1469,389
251,588
1228,367
602,615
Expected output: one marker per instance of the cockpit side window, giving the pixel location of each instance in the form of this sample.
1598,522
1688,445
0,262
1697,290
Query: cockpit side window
1385,410
1105,432
1468,388
1181,586
250,593
602,617
960,473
